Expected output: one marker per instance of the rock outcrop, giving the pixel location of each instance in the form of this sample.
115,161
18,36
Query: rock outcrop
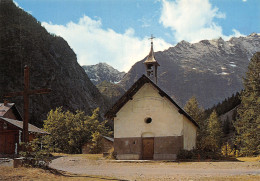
103,72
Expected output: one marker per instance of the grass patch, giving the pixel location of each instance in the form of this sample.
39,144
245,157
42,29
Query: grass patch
86,156
232,178
249,159
22,173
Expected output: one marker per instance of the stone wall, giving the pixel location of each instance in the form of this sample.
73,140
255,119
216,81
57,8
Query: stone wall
165,148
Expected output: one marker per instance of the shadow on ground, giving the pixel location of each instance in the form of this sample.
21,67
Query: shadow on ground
67,174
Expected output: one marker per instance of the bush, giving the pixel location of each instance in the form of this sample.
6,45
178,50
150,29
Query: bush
196,154
96,146
37,153
111,154
227,151
70,131
187,154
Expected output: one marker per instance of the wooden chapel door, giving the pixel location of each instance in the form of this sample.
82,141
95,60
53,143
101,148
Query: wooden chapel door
148,148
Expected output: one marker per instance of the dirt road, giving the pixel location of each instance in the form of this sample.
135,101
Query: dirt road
157,170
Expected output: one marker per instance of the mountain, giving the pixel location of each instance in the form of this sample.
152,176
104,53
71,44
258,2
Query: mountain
110,91
53,64
212,70
103,72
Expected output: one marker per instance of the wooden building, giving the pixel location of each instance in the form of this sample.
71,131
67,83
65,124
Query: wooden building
106,143
148,124
9,110
11,130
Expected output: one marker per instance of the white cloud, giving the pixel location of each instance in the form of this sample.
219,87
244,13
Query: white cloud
145,22
93,44
192,20
244,0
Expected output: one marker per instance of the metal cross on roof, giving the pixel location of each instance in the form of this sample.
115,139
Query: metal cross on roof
152,37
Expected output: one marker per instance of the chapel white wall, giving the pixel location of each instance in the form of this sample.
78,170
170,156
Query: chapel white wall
189,134
166,120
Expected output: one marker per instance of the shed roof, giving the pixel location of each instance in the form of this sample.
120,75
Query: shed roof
4,108
19,124
108,138
111,113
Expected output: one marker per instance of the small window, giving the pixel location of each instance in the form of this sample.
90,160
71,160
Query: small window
4,126
148,120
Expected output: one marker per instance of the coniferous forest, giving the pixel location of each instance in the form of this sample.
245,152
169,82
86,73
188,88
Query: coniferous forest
240,134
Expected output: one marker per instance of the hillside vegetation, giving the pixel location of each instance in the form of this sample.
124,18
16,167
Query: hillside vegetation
52,62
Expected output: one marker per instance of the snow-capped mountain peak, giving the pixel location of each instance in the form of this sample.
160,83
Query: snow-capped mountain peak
102,71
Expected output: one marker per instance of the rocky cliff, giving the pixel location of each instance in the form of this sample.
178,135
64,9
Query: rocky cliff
210,69
53,64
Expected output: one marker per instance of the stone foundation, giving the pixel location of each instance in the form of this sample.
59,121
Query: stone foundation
165,148
164,156
128,157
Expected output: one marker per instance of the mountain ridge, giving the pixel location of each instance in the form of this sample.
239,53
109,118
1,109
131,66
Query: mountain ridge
212,70
103,72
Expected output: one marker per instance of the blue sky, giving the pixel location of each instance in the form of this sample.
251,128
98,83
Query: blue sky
117,31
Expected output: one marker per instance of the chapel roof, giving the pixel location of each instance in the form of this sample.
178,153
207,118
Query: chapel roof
111,113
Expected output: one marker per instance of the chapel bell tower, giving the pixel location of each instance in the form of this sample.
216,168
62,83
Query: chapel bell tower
151,64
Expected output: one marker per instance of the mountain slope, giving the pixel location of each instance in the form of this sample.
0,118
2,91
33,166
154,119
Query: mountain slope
103,72
210,69
53,64
112,92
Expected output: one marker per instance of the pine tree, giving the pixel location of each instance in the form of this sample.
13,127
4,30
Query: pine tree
197,114
248,119
213,140
193,109
226,126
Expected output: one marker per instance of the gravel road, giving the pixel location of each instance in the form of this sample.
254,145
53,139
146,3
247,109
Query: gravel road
154,170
